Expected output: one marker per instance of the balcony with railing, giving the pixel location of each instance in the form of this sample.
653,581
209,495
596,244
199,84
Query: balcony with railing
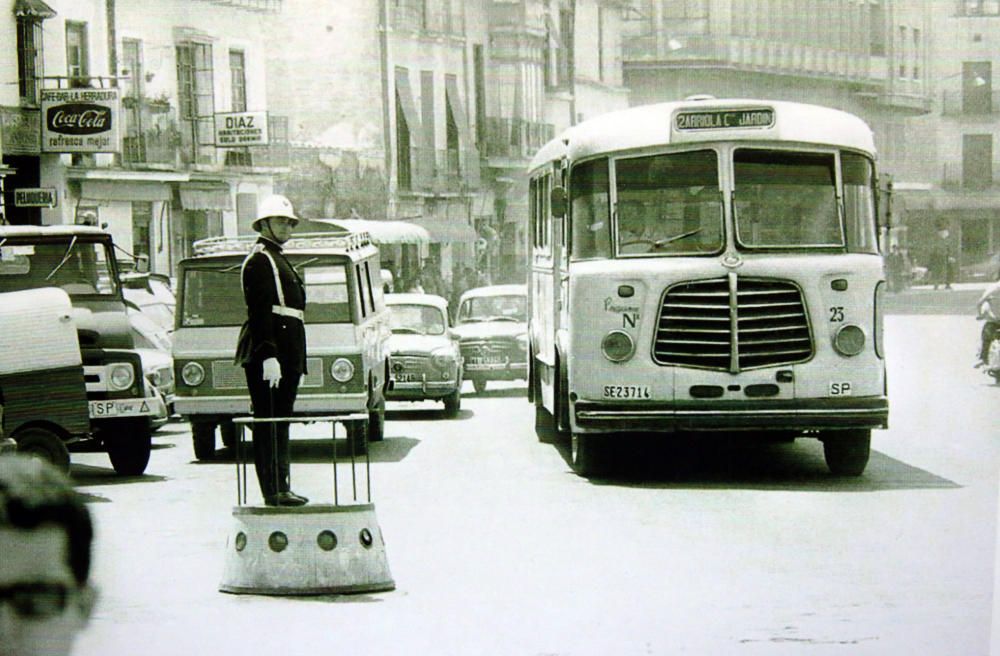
441,171
515,139
983,105
525,14
433,16
958,178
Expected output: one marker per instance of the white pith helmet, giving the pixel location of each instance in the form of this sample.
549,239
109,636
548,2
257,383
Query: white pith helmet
274,205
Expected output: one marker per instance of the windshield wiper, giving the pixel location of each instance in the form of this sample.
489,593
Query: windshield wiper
65,259
305,262
669,240
407,331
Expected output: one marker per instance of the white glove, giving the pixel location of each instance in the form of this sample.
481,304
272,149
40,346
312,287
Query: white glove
272,371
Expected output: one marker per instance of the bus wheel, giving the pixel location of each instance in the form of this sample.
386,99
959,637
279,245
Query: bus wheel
585,454
203,439
453,403
357,436
376,423
545,425
479,384
229,433
129,444
847,451
45,444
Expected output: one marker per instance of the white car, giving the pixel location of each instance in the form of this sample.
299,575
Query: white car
492,327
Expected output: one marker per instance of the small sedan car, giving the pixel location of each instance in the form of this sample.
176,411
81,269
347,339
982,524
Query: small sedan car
424,359
492,326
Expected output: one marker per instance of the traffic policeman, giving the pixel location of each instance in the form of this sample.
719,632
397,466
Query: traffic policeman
272,346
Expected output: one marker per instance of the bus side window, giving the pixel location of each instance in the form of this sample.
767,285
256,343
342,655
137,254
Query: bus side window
589,210
361,290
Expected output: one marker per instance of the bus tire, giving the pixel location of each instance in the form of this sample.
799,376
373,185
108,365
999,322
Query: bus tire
847,451
43,443
561,402
376,423
453,403
545,429
203,439
585,454
229,433
129,444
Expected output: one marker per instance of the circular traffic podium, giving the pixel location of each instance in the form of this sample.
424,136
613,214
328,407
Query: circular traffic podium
305,550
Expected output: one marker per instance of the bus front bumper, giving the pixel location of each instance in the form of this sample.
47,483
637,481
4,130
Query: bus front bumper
791,414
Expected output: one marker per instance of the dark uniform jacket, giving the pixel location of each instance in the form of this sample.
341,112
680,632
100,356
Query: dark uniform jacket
266,333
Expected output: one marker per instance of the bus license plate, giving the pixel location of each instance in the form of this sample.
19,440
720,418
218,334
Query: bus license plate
121,408
627,392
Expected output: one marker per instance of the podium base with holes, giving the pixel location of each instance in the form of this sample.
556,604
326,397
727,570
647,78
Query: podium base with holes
306,550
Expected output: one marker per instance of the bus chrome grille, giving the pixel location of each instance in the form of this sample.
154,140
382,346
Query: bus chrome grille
732,324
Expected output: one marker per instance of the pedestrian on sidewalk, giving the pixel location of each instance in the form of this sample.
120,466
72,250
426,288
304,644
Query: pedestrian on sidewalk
45,540
272,346
942,260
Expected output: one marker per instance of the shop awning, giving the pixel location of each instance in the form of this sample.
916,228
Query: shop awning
201,197
381,232
123,191
405,95
445,231
33,8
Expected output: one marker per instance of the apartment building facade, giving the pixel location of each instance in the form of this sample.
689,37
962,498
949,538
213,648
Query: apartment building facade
959,190
167,79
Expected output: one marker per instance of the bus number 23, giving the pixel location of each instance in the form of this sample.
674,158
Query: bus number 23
836,314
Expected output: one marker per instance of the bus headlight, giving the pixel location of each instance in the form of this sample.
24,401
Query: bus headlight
120,376
849,340
342,370
193,374
617,346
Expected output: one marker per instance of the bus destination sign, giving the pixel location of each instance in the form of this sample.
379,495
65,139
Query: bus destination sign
725,119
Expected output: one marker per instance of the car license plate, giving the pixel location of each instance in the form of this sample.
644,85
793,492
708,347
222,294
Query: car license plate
488,360
627,392
119,408
407,378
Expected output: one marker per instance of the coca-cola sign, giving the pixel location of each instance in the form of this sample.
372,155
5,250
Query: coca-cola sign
81,121
78,118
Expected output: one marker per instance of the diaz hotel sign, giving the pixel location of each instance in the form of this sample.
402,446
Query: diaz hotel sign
81,121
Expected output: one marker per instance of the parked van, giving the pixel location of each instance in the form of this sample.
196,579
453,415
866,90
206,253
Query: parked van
346,332
80,261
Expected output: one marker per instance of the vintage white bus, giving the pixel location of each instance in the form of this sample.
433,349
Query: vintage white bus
708,265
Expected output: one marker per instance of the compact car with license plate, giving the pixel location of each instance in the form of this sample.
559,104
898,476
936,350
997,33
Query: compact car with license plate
491,324
424,357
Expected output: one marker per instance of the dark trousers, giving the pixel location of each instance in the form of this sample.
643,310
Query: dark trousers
271,452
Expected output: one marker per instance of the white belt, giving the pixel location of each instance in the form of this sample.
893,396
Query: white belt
286,311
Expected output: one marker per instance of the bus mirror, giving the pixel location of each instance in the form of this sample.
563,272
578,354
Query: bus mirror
557,201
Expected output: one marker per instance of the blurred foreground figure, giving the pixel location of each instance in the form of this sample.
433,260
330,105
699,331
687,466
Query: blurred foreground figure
45,537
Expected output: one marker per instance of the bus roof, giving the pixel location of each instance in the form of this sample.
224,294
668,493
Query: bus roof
654,125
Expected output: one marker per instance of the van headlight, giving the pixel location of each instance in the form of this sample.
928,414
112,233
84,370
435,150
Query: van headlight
618,346
120,376
193,374
522,341
342,370
443,358
849,340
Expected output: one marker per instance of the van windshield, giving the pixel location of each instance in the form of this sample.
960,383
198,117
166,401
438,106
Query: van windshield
213,295
79,267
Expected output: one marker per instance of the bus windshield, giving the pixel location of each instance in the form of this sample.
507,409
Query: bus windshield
669,204
786,199
213,296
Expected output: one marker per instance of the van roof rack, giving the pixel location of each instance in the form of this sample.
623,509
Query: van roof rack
305,241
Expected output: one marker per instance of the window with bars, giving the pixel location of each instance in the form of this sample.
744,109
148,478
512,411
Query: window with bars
196,99
29,58
77,55
238,79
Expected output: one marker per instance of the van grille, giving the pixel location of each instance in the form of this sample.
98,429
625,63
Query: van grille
226,375
698,317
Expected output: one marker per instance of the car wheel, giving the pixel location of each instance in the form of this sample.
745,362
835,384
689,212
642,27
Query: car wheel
229,433
479,385
376,423
129,444
453,403
45,444
203,438
846,451
586,454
